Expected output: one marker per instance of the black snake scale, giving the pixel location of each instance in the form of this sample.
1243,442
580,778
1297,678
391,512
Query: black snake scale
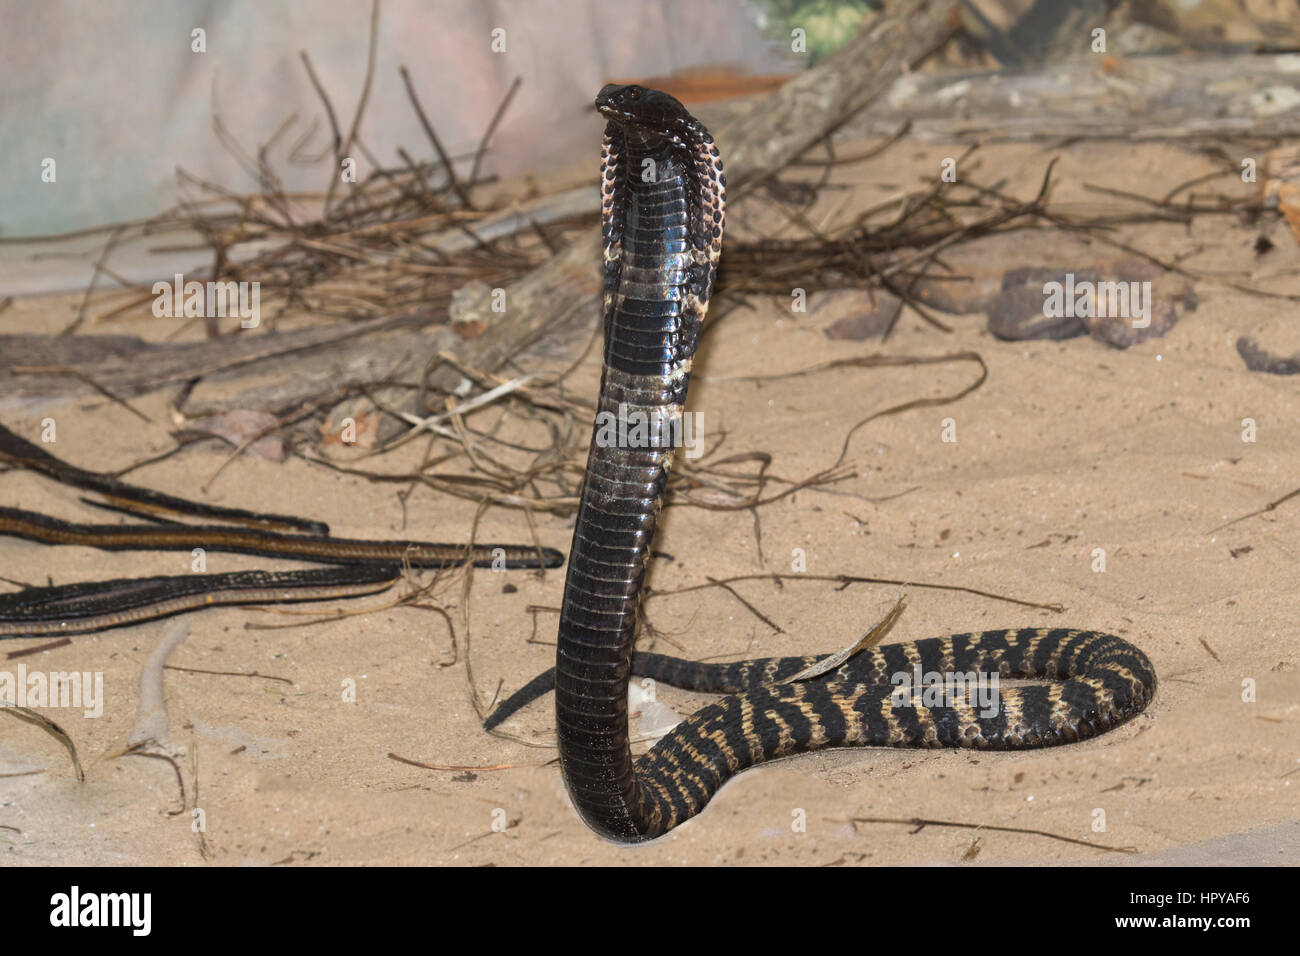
663,191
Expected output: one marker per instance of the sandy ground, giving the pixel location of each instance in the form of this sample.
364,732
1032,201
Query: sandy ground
1068,447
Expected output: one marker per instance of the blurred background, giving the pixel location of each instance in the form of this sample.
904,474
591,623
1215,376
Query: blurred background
122,94
385,160
116,93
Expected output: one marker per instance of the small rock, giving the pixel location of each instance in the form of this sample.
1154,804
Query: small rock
353,423
1259,360
1017,314
1121,306
240,425
864,320
656,718
470,305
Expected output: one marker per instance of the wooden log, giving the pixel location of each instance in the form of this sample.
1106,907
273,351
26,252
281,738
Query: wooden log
127,365
1139,98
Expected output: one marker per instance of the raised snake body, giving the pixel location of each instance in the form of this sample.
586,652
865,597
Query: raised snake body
663,217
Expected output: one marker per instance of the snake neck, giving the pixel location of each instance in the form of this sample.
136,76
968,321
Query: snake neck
648,332
648,350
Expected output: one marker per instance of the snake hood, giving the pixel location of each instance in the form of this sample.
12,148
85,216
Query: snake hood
650,114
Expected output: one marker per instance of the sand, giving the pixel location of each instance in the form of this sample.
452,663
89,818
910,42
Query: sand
1068,447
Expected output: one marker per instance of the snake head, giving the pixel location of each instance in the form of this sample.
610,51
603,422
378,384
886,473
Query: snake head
651,114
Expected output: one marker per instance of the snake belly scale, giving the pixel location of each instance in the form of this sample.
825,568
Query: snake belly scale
663,193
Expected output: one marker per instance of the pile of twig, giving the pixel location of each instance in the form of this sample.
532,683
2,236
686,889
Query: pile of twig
401,239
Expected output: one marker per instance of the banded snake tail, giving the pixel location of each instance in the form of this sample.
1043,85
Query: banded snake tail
663,216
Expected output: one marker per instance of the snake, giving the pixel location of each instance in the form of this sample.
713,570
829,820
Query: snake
117,495
89,606
299,547
663,201
363,566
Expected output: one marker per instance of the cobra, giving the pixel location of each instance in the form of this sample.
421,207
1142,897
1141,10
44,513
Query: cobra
663,193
